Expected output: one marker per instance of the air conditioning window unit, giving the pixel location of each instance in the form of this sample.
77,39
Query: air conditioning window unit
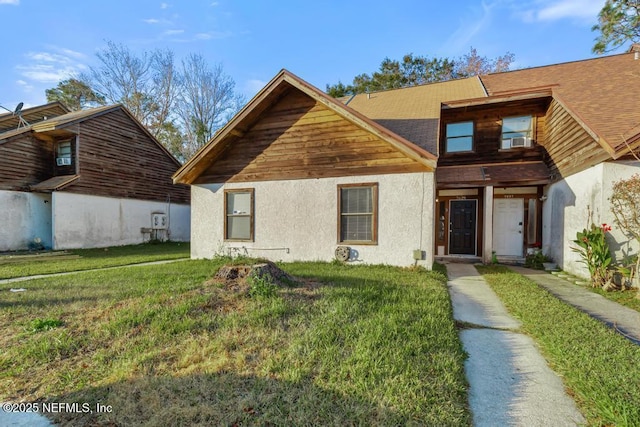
63,161
520,141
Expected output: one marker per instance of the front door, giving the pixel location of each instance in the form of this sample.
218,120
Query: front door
508,220
462,227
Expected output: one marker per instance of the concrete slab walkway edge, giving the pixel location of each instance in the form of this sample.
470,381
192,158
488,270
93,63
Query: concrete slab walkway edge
623,320
510,383
66,273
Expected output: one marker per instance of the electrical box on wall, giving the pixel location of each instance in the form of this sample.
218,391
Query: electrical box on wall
159,221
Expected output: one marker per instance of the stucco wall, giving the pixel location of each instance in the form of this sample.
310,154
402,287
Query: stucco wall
82,221
23,218
297,220
574,203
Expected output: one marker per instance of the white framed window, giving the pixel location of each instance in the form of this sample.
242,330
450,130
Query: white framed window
459,137
239,218
358,213
516,132
63,153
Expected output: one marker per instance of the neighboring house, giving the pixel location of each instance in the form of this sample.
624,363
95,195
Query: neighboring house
497,164
83,179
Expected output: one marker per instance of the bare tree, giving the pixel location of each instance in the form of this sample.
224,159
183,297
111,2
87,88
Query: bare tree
146,84
206,102
182,108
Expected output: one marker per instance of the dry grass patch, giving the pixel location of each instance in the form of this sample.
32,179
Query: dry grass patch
167,345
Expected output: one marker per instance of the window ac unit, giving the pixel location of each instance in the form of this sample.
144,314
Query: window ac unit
520,141
63,161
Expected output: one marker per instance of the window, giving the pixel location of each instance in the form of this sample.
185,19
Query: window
358,213
63,153
459,137
516,132
238,207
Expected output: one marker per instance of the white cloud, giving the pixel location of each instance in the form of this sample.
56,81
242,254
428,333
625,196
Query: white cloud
43,73
553,10
213,35
12,2
469,28
253,86
164,5
50,66
214,4
173,32
26,86
151,21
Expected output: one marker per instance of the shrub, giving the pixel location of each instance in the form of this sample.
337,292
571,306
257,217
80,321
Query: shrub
535,260
625,205
594,251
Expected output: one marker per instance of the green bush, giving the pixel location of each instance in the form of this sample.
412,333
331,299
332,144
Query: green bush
594,251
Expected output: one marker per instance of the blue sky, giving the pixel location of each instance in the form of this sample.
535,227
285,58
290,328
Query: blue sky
320,41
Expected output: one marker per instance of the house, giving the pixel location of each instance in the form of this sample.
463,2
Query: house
84,179
490,165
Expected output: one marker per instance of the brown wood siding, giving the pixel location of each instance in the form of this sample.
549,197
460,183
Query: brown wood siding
116,158
32,115
24,161
569,147
299,138
487,120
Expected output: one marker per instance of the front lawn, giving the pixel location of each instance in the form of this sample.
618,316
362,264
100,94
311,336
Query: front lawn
25,264
600,368
165,345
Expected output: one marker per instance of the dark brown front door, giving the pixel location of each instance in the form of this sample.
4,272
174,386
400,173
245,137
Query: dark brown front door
462,227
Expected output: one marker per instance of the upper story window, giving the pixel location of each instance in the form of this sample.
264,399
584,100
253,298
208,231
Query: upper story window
63,153
516,132
238,220
459,137
358,213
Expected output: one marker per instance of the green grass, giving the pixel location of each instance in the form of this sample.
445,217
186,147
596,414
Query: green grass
629,297
165,345
600,368
20,264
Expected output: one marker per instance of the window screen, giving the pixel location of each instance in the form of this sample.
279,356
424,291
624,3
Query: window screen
239,214
358,213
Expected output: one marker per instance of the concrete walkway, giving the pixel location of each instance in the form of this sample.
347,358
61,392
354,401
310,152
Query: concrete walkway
66,273
510,382
622,319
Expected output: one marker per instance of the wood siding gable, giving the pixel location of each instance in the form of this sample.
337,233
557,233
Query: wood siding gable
291,130
300,138
117,157
570,146
24,160
113,155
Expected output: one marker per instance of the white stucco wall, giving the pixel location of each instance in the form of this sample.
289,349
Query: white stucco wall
83,221
23,218
574,203
297,220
